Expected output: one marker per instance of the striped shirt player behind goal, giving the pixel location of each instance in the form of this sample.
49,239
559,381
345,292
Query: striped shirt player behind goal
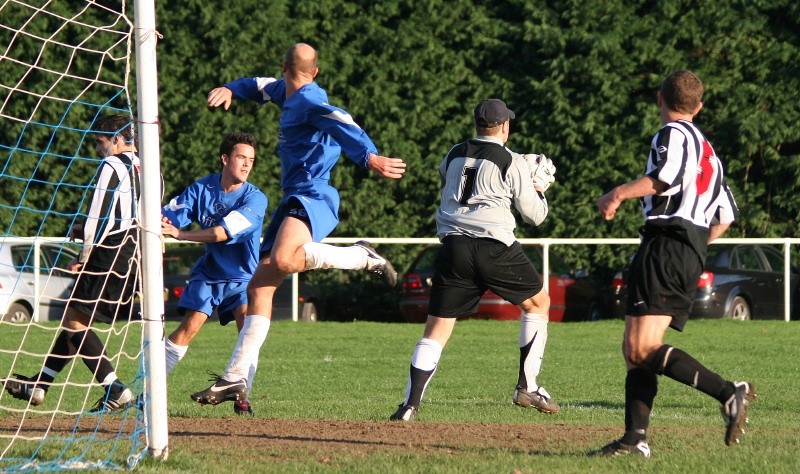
108,277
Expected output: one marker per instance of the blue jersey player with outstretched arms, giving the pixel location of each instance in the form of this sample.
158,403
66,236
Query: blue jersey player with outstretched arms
313,134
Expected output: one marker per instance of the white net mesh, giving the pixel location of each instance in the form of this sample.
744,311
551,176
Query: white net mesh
63,65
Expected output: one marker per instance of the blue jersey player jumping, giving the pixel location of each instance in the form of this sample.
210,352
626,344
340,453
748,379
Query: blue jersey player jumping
230,212
313,134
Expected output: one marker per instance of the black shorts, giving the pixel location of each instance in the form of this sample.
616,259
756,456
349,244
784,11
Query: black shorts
292,208
663,279
105,296
465,268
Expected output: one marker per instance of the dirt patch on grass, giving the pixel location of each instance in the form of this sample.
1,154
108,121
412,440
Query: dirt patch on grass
368,437
321,438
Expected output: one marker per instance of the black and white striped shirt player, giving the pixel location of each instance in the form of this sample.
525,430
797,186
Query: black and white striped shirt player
686,205
110,227
697,194
107,268
481,180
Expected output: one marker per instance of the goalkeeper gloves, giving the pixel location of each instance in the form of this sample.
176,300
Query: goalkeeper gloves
542,170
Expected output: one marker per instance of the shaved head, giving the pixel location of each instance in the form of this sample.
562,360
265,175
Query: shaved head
301,58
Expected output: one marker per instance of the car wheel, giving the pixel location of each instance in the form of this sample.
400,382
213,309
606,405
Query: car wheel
595,314
739,310
310,313
17,313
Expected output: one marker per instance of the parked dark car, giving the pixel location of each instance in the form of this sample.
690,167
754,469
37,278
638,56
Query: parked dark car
573,296
17,281
178,262
740,281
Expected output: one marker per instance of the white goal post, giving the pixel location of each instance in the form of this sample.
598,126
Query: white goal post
152,266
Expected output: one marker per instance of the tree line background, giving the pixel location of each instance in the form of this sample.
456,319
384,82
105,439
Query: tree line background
581,76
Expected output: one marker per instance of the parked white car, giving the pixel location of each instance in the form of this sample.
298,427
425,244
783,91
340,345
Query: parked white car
18,291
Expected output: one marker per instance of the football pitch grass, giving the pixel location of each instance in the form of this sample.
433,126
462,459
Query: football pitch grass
357,372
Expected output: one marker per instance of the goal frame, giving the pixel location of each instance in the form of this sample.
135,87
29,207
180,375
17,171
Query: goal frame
145,37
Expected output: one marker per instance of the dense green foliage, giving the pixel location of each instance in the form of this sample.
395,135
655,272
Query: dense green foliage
582,77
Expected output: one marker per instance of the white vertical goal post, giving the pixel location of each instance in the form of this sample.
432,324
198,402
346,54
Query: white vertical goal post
152,308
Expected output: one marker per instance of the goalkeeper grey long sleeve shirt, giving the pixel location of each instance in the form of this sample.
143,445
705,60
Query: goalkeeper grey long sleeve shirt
481,178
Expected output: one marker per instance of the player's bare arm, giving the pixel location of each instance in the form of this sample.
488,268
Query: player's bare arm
210,235
641,187
220,96
716,230
392,168
168,229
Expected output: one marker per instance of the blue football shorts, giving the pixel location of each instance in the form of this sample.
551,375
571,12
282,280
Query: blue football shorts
206,297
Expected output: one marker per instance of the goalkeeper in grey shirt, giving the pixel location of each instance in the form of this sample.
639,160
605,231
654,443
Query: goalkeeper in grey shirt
481,178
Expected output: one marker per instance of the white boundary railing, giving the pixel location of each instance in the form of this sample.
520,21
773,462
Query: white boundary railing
545,243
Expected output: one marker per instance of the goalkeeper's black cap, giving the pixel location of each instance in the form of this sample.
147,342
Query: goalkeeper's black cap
492,112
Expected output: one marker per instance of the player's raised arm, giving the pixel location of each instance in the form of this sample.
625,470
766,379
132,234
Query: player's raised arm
387,167
258,89
532,175
220,96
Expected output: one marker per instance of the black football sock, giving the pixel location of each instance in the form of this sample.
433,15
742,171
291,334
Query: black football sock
522,380
680,366
419,381
58,358
93,353
641,386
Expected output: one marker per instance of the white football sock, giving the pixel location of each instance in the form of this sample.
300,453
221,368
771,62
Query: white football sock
173,354
332,256
251,374
534,328
426,357
48,371
110,378
251,337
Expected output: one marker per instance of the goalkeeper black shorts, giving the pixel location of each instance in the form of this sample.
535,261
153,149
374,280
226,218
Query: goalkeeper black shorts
466,267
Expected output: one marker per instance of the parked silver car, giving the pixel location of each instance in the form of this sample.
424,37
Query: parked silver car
18,292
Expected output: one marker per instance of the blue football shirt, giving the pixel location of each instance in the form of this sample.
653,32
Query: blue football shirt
240,213
312,136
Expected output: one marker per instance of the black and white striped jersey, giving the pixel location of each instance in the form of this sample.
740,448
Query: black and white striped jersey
113,209
481,178
698,194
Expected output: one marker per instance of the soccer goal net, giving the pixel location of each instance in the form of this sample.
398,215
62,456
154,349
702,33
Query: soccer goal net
81,302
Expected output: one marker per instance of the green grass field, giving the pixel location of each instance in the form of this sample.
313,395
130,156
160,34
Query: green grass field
357,371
